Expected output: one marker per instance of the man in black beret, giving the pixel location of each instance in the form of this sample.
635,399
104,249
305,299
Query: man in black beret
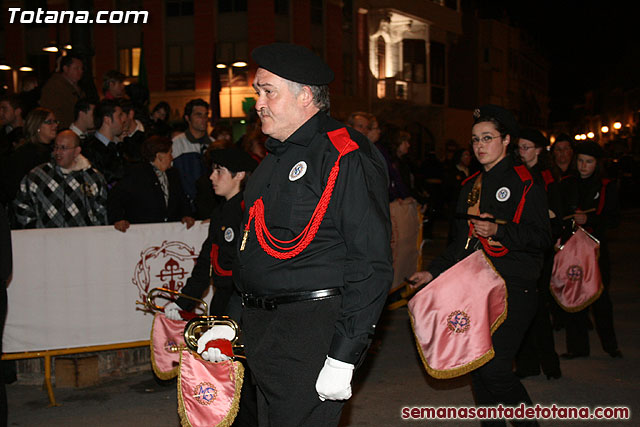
314,264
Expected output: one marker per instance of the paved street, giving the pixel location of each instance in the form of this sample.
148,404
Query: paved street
393,377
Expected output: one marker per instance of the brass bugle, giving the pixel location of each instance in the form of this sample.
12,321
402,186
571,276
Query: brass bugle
151,295
197,326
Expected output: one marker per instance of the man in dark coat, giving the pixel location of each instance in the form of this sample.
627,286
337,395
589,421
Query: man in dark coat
102,149
151,191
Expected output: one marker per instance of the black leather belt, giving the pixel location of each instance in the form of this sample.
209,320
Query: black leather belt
272,302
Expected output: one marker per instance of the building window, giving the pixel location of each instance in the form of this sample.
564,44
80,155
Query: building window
347,16
382,60
180,67
281,7
129,61
229,6
316,12
347,72
179,8
450,4
414,54
402,90
438,73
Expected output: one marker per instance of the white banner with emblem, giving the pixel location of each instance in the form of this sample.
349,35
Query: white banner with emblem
77,287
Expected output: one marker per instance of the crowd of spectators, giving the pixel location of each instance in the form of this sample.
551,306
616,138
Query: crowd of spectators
67,160
112,131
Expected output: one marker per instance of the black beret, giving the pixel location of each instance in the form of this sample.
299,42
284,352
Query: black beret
535,136
234,159
502,115
590,148
293,62
564,137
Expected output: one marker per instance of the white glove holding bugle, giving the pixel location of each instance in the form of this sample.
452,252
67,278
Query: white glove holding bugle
217,332
172,311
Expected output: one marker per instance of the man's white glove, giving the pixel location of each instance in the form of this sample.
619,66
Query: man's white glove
334,380
217,332
172,311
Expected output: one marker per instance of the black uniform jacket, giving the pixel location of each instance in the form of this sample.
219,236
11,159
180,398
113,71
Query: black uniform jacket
138,197
552,187
351,249
526,240
590,193
224,231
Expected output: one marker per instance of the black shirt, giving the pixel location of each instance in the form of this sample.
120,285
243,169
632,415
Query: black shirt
525,241
351,249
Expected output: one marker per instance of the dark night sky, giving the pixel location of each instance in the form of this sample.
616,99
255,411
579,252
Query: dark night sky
591,44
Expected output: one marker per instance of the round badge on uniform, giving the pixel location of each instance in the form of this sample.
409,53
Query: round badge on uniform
503,194
229,234
298,171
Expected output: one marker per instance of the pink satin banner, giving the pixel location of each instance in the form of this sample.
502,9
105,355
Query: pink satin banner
208,392
167,341
454,317
575,281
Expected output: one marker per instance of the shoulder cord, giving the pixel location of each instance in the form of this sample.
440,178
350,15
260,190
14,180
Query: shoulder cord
307,234
603,190
499,251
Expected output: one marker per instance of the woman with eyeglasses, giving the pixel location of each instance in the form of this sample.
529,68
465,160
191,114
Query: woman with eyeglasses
538,347
501,190
40,130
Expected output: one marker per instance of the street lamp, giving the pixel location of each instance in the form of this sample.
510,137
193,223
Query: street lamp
54,47
617,125
604,129
590,135
237,64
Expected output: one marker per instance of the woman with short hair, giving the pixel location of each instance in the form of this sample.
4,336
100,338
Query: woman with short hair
151,191
505,190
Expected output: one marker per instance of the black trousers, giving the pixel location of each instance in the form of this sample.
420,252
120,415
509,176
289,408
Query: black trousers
494,382
286,348
538,347
577,324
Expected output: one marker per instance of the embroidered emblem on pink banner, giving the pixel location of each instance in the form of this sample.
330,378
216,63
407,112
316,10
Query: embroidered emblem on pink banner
458,322
208,392
167,341
454,316
575,281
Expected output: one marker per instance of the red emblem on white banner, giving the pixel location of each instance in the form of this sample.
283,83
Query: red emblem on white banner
165,266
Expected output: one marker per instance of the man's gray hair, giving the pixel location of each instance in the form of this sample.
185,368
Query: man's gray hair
320,94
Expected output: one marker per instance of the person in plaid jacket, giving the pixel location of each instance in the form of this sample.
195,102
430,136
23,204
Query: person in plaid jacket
65,192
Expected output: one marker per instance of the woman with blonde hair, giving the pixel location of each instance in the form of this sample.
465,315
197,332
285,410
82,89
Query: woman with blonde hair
40,129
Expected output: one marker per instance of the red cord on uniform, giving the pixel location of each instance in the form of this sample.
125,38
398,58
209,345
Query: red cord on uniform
340,138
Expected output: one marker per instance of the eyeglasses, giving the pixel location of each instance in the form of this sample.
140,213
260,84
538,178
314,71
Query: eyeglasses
485,139
61,148
51,122
526,148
